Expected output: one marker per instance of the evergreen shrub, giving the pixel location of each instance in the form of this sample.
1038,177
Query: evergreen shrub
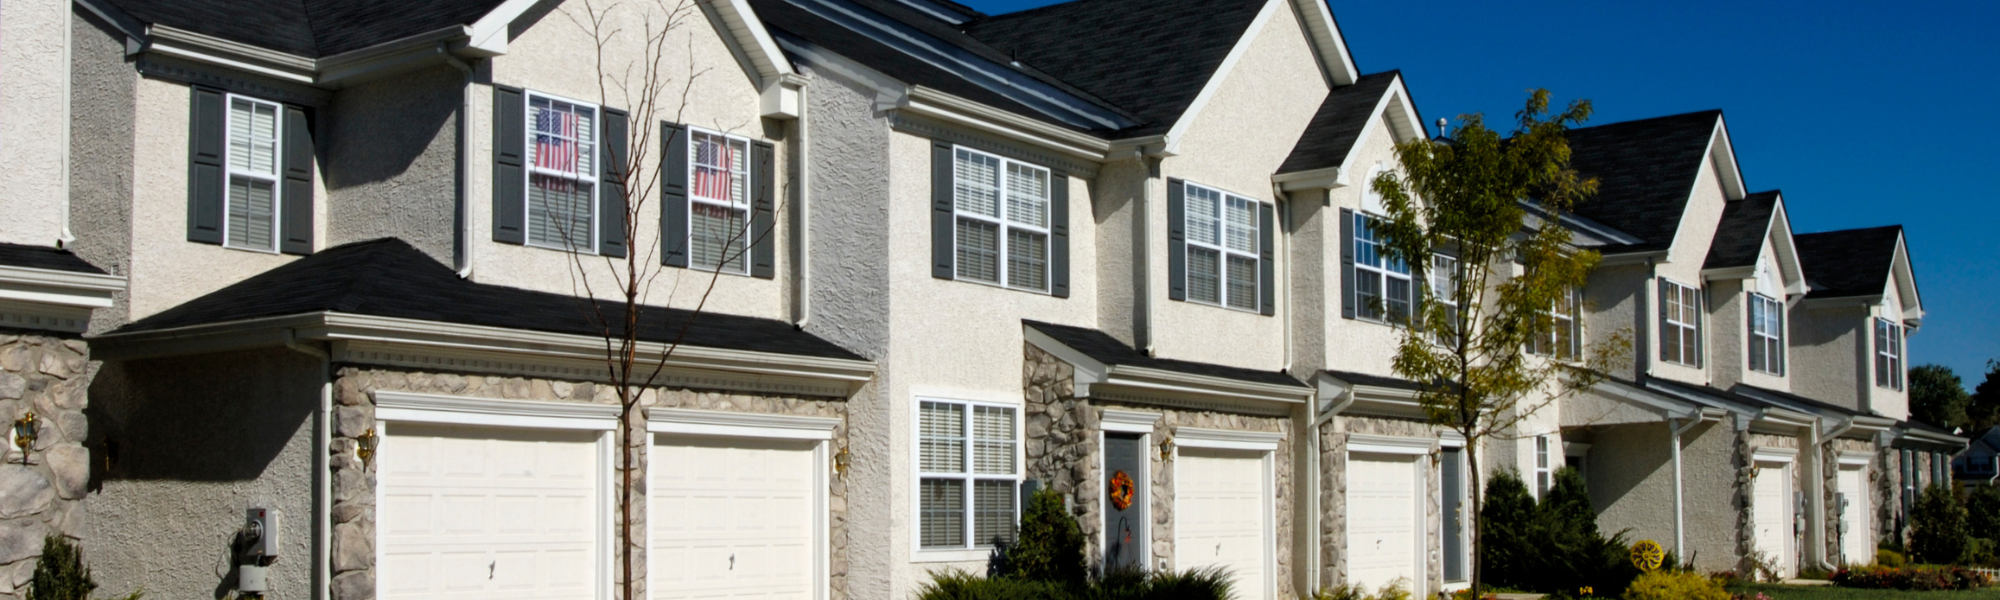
1938,533
1667,584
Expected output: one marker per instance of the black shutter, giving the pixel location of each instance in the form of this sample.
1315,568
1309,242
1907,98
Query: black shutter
510,179
611,205
205,154
674,196
1700,322
1665,290
1059,235
1576,324
295,230
1266,260
943,242
1176,239
1347,263
1784,337
763,227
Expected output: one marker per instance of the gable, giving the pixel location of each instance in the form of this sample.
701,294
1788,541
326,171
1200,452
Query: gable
1348,120
1647,172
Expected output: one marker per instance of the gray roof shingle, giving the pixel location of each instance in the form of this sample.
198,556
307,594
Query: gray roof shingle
1338,124
309,28
1646,169
1850,262
1100,346
1739,237
44,257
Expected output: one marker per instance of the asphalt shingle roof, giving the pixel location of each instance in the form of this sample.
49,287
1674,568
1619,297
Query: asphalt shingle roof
1740,235
1100,346
44,257
1851,262
389,278
1374,380
309,28
1338,125
1149,57
1646,169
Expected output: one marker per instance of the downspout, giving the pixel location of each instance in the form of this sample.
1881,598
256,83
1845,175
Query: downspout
1142,263
322,472
1284,294
1680,499
64,237
1821,559
465,239
802,285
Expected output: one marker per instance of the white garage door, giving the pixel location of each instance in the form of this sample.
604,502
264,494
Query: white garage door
732,518
489,513
1220,501
1773,494
1382,519
1857,544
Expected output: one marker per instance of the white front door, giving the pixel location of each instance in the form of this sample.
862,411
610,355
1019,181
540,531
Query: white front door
1383,520
1857,544
1773,495
488,513
1220,505
732,518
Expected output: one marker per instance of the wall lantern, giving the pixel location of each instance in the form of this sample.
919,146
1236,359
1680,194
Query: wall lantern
25,434
840,462
1166,448
364,446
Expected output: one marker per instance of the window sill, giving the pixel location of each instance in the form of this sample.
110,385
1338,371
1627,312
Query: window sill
251,250
1002,287
942,556
1252,311
585,252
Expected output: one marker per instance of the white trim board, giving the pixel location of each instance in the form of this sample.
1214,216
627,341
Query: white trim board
1850,458
1388,444
1771,454
685,421
1226,439
1128,421
466,410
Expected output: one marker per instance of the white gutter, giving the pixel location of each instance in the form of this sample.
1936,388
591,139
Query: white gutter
322,519
802,272
466,241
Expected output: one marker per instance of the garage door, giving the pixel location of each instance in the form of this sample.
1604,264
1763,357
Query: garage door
489,513
732,518
1219,505
1857,543
1382,519
1774,516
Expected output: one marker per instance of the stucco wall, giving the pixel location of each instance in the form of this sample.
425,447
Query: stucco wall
1119,196
1829,353
1683,265
190,444
1618,298
103,85
1352,344
42,492
1310,306
1892,402
34,60
393,145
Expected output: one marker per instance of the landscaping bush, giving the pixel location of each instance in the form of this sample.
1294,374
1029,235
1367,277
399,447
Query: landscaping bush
1197,584
60,575
1938,532
1508,558
1050,546
1885,557
960,585
1911,578
1194,584
1394,590
1553,547
1675,585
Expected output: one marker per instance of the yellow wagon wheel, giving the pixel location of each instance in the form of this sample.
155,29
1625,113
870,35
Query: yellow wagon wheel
1647,555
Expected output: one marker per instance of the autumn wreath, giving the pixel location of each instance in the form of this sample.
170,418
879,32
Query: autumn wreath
1121,491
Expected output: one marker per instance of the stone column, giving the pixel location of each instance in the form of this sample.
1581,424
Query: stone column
41,493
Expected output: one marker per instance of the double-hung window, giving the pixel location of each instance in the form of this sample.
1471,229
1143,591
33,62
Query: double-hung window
1767,334
1445,278
1002,220
1222,242
1888,354
968,471
1680,324
718,201
562,173
1555,333
1382,285
1544,469
252,223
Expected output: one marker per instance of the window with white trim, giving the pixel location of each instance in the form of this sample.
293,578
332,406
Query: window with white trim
254,137
968,474
1767,334
1222,241
562,173
1002,230
1445,278
1555,331
1888,354
1382,286
1544,469
718,201
1680,328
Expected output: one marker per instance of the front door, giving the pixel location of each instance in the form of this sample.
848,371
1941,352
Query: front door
1125,477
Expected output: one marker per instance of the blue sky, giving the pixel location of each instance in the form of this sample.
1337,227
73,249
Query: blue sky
1864,113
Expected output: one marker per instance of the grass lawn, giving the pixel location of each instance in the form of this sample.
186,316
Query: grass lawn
1800,592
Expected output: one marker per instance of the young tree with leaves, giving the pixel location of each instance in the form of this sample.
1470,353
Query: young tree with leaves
1983,412
1468,196
1938,397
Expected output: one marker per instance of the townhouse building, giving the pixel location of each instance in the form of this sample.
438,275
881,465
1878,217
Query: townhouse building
323,260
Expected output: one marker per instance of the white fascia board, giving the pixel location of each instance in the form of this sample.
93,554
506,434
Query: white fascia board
1160,380
959,111
393,405
1906,284
1721,150
1226,439
739,424
1793,271
1774,454
1327,41
1087,371
1215,80
1395,106
1315,179
169,41
754,39
1389,444
1778,417
395,56
489,33
1128,421
61,288
1709,407
1668,408
1850,458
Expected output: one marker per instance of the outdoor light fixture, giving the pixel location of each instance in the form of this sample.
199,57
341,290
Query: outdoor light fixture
1166,448
840,462
364,446
25,434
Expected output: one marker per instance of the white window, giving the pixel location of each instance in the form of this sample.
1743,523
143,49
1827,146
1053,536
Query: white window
1544,472
562,174
1555,334
1680,320
1445,278
718,201
1222,237
1003,220
1888,354
253,175
1767,334
969,471
1382,286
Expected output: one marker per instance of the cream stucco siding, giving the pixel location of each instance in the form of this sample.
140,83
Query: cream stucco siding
1769,281
1892,402
1683,266
1266,91
1356,345
1829,352
34,63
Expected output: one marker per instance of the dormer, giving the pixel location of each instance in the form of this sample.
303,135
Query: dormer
1753,276
1861,307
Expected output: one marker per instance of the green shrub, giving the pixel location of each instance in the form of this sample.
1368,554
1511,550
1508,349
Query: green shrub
1886,557
1196,584
61,575
1911,578
1938,532
1050,547
1508,558
1675,585
1394,590
959,585
1982,510
1983,552
1553,547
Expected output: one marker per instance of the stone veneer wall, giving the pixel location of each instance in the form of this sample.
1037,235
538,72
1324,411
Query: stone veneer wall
354,484
51,377
1746,492
1062,433
1830,467
1333,493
